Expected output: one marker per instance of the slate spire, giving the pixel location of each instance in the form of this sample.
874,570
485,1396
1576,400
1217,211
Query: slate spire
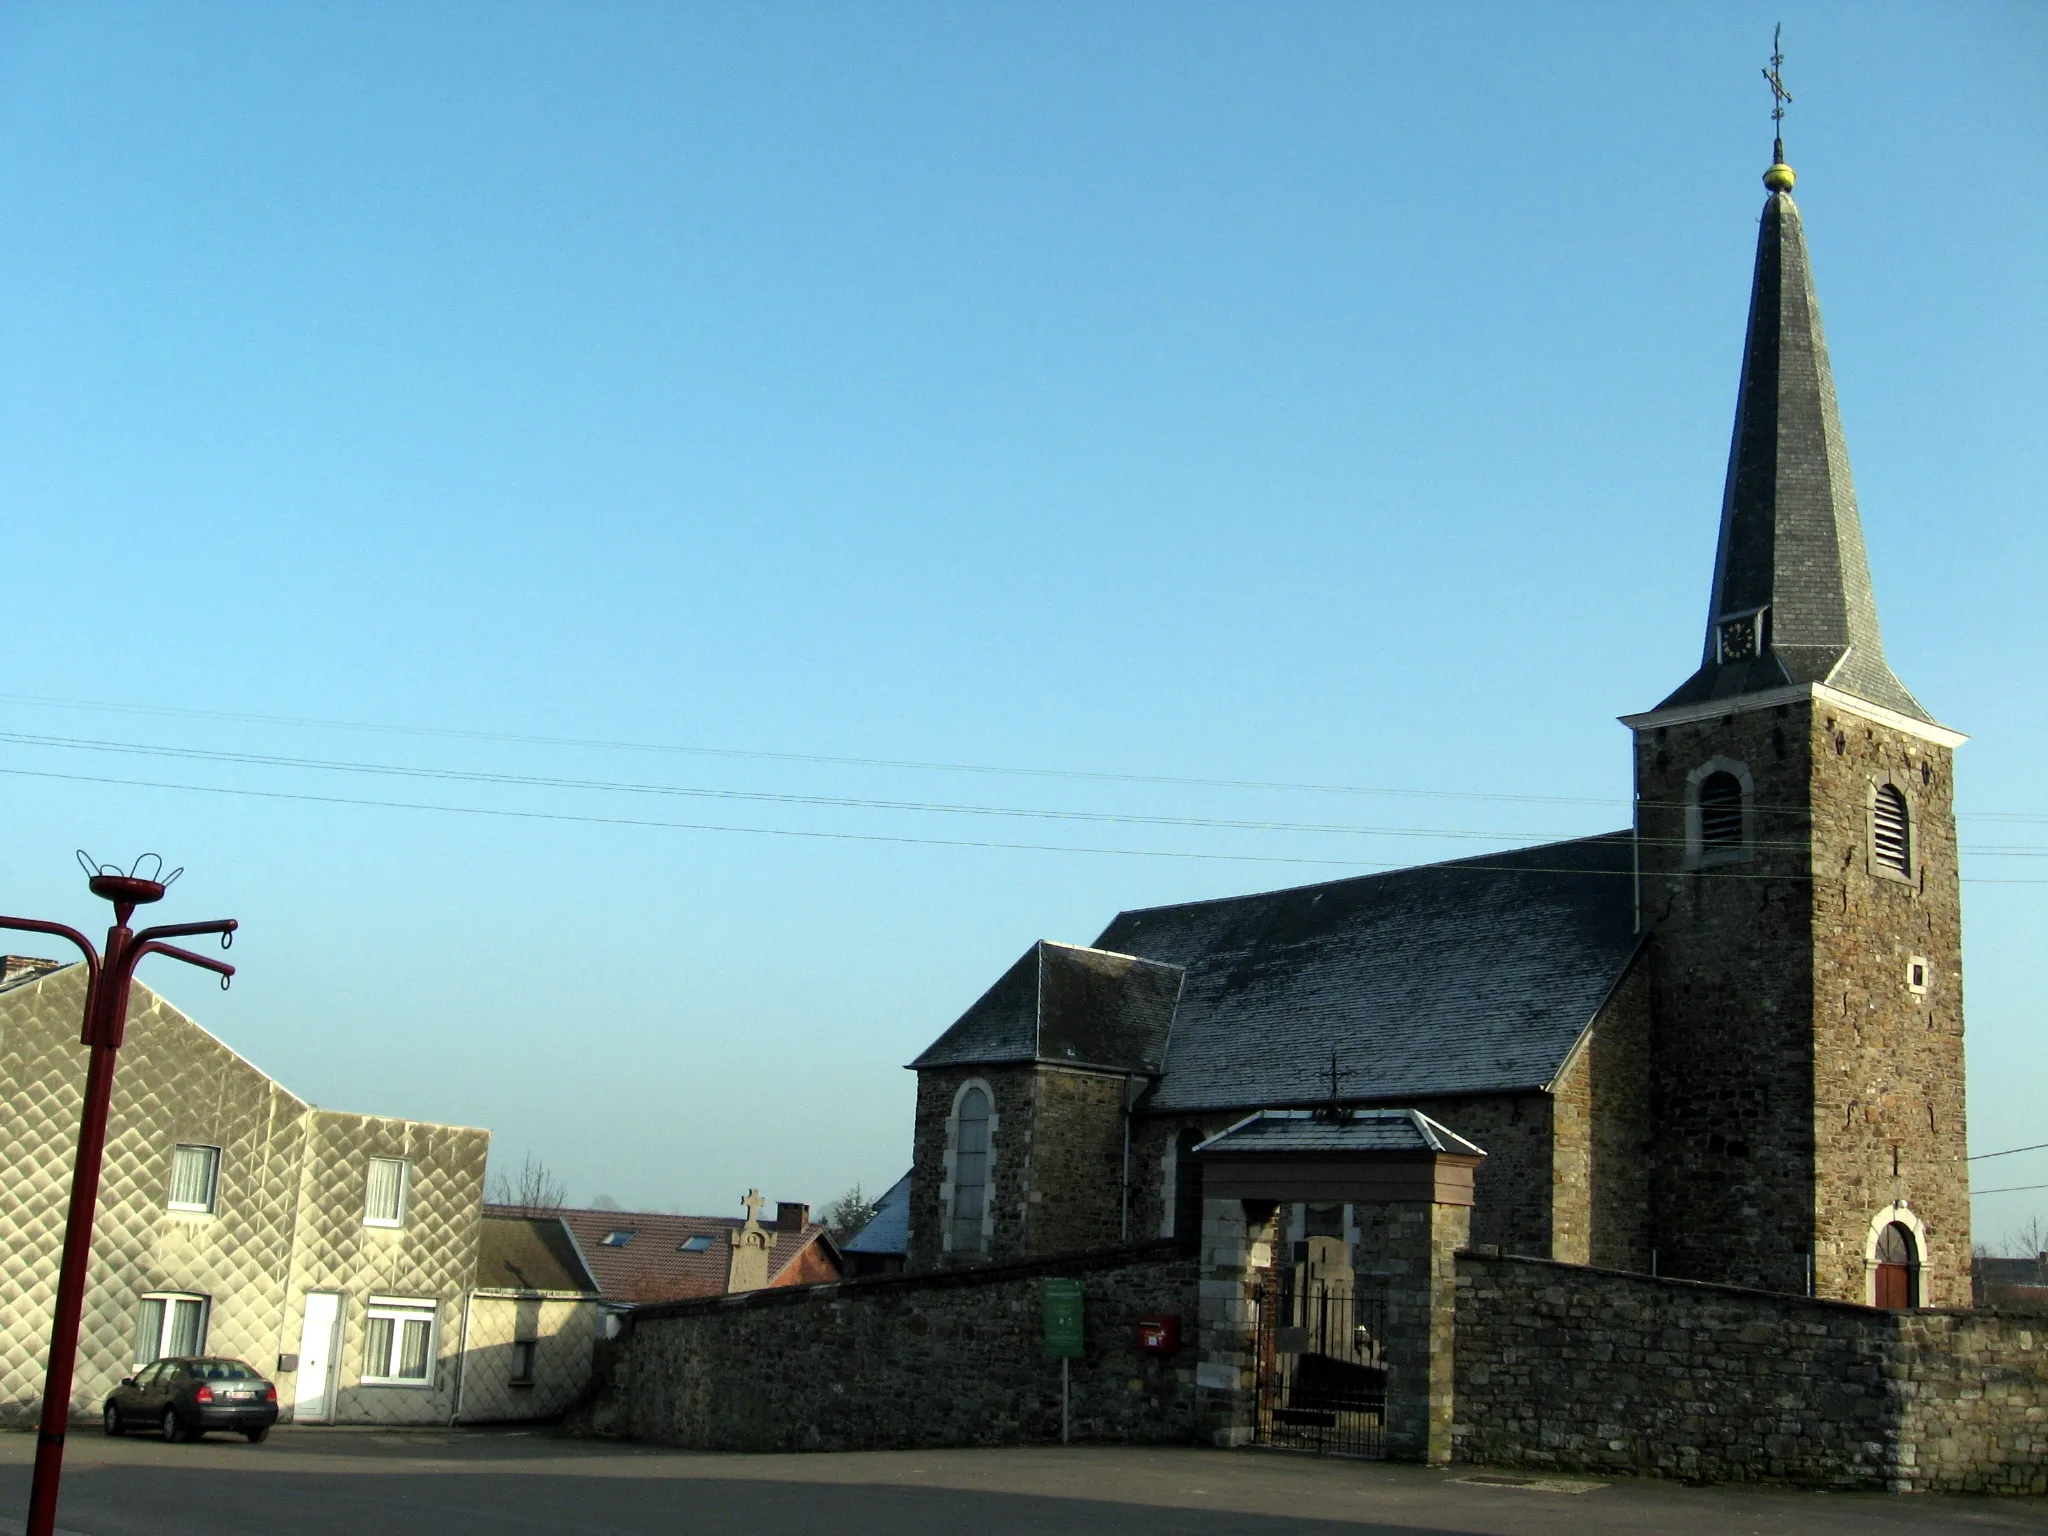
1791,601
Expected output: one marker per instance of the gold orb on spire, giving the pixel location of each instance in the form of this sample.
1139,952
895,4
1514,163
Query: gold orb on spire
1779,177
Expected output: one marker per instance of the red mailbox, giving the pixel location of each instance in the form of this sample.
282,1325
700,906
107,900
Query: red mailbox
1159,1335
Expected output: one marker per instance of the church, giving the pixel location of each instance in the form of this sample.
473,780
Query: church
1723,1043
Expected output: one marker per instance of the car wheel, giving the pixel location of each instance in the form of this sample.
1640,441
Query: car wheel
170,1428
255,1436
113,1420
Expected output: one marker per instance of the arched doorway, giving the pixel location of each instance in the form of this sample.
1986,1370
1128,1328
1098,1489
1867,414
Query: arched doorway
1898,1268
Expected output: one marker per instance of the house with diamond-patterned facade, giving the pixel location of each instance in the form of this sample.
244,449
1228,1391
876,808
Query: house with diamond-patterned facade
337,1253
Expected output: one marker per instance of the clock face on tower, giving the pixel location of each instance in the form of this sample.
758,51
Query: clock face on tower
1738,638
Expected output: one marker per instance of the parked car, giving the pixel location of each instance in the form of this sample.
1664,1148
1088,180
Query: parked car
183,1397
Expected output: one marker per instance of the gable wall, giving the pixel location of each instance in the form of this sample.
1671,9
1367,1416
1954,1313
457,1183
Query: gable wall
1599,1163
1074,1181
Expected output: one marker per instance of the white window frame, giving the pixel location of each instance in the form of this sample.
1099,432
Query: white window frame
163,1333
988,1174
401,1310
404,1192
212,1179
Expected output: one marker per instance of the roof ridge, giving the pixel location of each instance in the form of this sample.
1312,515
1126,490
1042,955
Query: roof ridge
1615,834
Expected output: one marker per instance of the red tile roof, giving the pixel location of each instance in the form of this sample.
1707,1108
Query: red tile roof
650,1266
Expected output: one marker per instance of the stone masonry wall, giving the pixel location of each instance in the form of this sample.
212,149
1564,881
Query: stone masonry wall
1600,1107
1802,1087
952,1358
1011,1092
1076,1155
1888,1062
1732,977
1590,1370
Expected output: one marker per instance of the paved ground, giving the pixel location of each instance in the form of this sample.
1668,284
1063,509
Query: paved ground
313,1482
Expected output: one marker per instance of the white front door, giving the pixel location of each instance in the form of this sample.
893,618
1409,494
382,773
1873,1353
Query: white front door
315,1403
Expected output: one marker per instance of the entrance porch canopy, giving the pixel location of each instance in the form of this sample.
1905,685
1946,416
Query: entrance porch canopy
1339,1157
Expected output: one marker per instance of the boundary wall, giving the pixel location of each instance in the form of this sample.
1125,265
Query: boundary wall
1591,1370
952,1358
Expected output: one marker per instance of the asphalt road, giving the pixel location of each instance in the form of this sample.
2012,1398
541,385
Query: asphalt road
313,1482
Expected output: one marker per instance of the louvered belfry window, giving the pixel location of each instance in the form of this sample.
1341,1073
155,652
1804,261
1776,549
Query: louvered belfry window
1890,832
1720,812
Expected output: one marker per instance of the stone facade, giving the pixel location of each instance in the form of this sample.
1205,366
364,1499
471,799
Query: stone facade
1589,1370
1801,1086
952,1358
1600,1125
1056,1155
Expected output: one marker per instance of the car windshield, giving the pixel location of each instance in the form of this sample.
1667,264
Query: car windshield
220,1370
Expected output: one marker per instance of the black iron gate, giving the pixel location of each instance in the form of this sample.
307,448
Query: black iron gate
1322,1376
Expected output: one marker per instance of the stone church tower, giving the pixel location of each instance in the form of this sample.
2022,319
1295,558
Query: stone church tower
1797,870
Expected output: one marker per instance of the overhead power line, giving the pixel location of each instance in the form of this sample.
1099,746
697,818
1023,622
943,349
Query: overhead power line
834,802
2039,1146
1470,865
2010,1189
841,760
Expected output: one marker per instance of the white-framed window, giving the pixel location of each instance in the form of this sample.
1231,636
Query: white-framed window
195,1177
384,1198
171,1323
398,1342
523,1352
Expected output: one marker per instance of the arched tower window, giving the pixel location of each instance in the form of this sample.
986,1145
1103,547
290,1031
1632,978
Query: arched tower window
1720,812
970,1172
1891,833
1187,1186
1898,1268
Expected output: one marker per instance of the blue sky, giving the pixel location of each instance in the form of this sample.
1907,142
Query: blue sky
1302,394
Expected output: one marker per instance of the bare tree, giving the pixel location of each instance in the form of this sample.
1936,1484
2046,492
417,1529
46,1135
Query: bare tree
848,1214
605,1203
533,1191
2028,1239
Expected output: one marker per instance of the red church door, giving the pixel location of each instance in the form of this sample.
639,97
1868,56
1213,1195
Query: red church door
1896,1263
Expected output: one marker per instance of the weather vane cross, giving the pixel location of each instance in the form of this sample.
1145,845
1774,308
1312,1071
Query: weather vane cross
1775,75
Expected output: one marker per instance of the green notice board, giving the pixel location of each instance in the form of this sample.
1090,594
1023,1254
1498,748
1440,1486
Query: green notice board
1063,1320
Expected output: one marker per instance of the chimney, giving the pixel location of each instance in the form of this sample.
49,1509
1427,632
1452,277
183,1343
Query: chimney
791,1216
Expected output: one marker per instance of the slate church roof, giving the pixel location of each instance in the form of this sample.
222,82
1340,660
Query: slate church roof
1473,976
1064,1004
1791,541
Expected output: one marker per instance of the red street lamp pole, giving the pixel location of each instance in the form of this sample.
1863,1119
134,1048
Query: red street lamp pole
106,1021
